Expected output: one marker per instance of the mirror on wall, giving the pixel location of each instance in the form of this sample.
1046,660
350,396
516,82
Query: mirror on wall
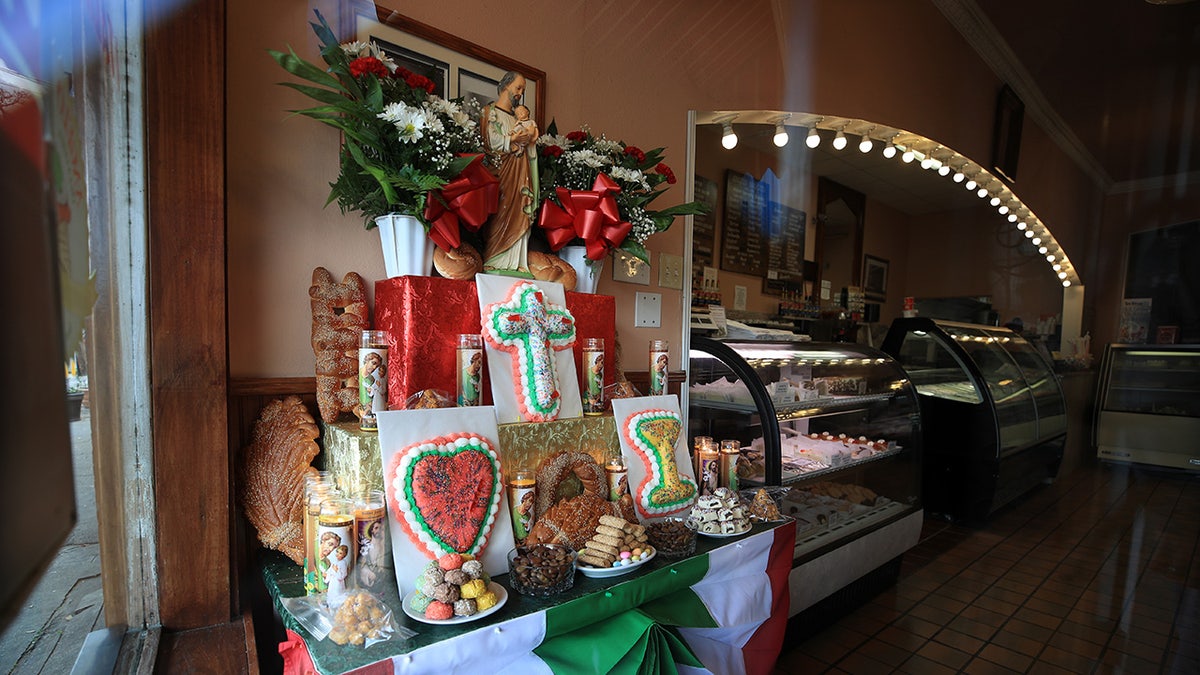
900,200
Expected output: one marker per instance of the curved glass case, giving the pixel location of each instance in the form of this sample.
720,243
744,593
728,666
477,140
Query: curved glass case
994,412
832,431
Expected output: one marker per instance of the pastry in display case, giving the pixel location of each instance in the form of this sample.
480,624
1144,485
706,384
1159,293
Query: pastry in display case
832,431
994,413
1148,405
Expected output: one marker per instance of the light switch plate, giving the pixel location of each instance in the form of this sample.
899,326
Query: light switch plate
647,312
739,298
670,271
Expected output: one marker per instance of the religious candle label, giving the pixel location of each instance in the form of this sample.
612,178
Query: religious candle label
618,480
522,495
372,379
374,553
659,364
336,551
470,369
710,471
593,377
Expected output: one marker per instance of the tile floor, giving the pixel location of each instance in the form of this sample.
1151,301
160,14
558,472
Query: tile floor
1097,573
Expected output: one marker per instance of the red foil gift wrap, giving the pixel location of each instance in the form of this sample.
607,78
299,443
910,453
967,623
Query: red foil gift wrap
423,317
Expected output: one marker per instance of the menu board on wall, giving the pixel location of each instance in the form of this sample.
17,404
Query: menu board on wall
743,232
785,249
704,225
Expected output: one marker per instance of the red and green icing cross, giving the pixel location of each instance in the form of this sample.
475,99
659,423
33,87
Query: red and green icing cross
531,329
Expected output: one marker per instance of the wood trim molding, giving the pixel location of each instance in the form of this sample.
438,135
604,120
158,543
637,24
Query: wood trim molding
185,206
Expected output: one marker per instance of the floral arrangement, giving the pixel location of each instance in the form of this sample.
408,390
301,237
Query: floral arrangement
401,144
598,191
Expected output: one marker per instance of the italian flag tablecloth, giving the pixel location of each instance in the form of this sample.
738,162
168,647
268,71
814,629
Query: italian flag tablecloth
722,612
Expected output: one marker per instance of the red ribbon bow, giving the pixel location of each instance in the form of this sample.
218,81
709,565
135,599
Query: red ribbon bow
590,215
468,200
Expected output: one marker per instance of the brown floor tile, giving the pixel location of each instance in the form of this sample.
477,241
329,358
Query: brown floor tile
1150,624
1120,662
1146,637
1017,587
1045,668
971,585
1024,578
1006,657
862,665
919,665
860,623
901,638
945,604
1067,660
1051,608
1178,663
1060,598
823,650
945,655
879,650
1018,643
1040,618
917,625
995,605
973,628
932,614
983,615
1029,630
1079,646
1083,631
1138,649
981,666
1088,619
960,641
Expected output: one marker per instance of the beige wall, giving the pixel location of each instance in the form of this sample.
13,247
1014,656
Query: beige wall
632,70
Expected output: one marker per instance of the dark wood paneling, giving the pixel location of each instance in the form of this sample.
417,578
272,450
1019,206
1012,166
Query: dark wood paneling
641,380
185,165
227,648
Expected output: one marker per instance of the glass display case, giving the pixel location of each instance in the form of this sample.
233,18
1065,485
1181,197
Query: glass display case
833,433
994,413
1148,405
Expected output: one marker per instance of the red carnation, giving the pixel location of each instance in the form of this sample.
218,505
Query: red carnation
402,74
666,171
368,64
636,153
552,151
577,136
420,82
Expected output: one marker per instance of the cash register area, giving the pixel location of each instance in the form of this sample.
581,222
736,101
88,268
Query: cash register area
1096,573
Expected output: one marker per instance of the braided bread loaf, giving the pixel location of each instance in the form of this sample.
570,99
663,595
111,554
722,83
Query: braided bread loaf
339,316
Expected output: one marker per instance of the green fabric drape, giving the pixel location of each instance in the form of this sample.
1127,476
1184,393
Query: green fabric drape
629,643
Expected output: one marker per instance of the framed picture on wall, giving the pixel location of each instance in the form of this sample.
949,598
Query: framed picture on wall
875,277
458,66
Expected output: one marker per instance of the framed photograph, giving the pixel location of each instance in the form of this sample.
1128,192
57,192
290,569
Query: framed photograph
457,67
875,276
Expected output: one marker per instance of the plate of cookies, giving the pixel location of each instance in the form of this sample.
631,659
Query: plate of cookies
414,600
618,547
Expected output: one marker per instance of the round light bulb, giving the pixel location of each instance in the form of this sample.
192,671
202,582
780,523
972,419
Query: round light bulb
1012,217
926,162
781,136
959,177
1029,234
813,139
1067,283
889,151
865,145
839,141
729,139
971,184
995,201
1042,250
1057,267
982,192
1050,258
1021,225
943,170
1003,209
908,156
1062,275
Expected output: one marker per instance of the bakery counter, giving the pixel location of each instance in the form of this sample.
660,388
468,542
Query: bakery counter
728,602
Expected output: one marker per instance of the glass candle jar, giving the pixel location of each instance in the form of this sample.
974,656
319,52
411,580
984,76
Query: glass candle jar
522,496
336,548
618,477
710,469
374,562
469,368
697,443
316,491
372,377
730,451
659,365
593,376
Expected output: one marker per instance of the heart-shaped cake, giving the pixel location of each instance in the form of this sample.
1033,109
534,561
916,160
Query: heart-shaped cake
445,493
653,434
